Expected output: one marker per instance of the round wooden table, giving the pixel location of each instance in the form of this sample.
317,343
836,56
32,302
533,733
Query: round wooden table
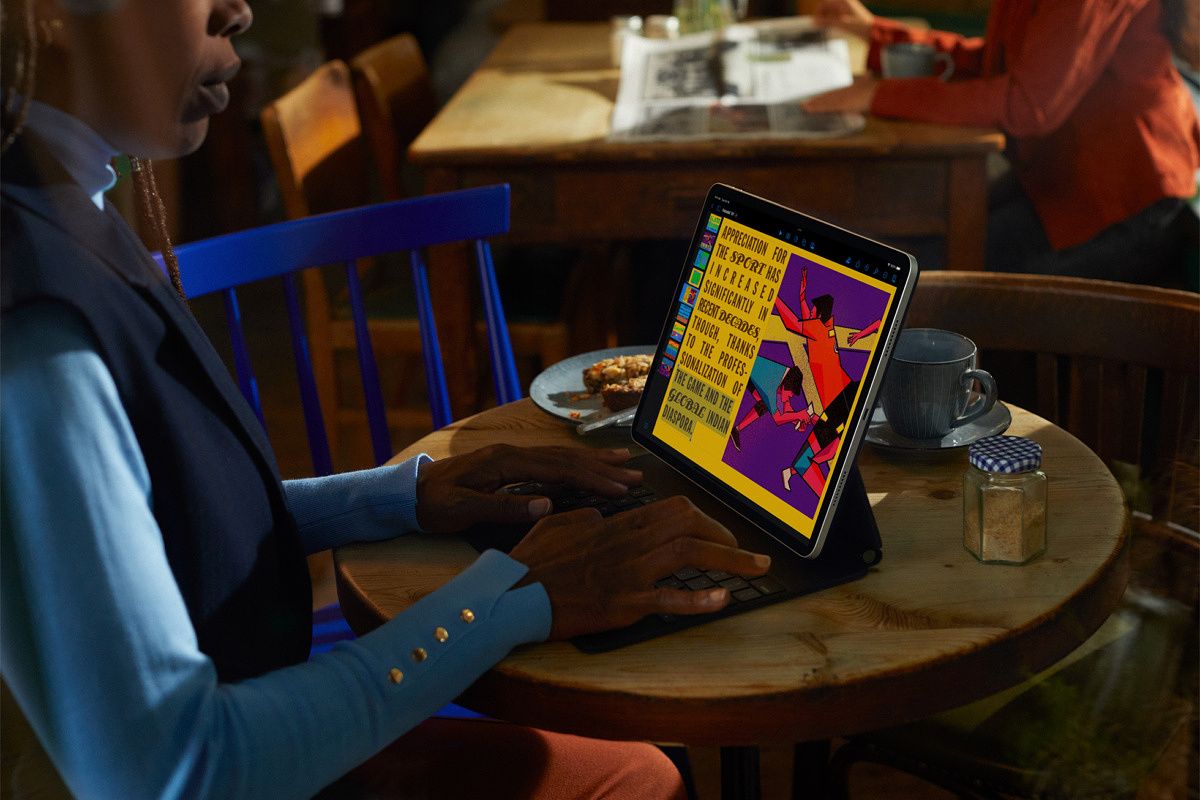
927,629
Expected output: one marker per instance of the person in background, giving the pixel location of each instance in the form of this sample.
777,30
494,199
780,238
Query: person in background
156,614
1103,141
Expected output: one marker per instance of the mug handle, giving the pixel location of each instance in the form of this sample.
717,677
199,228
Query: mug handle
946,59
983,404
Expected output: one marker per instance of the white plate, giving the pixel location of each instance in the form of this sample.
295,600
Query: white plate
996,421
556,388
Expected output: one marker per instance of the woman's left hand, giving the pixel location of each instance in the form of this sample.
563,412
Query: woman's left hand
460,491
855,99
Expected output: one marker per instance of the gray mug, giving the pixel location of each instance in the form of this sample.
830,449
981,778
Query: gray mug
929,382
914,60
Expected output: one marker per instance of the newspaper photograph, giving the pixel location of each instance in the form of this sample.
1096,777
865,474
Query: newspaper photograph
742,81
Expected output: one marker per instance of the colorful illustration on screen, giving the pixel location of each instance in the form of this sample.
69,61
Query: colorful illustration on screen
816,346
701,259
707,240
714,222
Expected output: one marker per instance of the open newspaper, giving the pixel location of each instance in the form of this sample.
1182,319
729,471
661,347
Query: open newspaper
746,81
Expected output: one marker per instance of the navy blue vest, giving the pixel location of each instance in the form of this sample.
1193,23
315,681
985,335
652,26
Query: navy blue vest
232,544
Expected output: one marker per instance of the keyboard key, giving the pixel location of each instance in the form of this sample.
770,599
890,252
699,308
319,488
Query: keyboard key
686,574
734,584
669,582
743,595
700,582
641,491
527,488
647,500
717,575
767,585
626,502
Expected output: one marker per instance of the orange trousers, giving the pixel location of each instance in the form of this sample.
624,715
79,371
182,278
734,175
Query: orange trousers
443,759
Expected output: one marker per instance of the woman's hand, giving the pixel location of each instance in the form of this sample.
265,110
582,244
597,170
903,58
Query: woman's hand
849,15
457,492
855,99
599,573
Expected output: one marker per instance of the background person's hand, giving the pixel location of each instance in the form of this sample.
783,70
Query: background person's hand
849,15
599,573
460,491
854,99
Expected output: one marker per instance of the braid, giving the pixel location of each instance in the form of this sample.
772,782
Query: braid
155,216
18,63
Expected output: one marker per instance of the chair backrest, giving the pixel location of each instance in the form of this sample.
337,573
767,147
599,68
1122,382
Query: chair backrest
395,103
1115,364
223,263
315,142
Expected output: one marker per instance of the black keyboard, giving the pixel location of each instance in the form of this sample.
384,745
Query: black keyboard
567,498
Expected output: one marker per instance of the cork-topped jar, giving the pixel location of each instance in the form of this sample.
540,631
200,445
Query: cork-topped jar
1004,500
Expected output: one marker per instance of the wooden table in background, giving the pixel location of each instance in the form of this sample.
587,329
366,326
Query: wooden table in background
928,629
536,115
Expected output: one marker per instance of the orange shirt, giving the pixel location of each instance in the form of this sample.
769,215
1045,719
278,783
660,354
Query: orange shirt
1099,123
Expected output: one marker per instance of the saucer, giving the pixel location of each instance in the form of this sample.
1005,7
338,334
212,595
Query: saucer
559,389
880,433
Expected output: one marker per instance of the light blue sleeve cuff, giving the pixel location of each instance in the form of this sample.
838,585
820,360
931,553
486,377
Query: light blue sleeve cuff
363,506
391,679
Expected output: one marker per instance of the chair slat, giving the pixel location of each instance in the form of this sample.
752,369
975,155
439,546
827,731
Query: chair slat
241,355
381,440
435,376
1122,402
310,402
1048,391
504,367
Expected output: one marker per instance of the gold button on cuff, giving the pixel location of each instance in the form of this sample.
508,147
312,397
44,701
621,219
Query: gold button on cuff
419,655
395,675
467,615
441,634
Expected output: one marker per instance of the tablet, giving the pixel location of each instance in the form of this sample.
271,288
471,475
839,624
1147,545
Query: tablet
770,360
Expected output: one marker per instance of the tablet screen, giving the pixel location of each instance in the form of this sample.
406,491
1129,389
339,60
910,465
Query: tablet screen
764,366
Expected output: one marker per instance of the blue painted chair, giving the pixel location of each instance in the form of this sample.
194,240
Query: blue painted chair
223,263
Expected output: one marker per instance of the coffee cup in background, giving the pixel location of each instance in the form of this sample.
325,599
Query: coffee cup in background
914,60
929,383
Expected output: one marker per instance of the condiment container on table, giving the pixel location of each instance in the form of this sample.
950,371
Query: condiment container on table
1004,500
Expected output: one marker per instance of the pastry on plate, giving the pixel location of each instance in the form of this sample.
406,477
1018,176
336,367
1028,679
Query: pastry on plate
616,370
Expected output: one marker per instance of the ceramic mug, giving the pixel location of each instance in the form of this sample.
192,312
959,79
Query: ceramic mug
929,381
914,60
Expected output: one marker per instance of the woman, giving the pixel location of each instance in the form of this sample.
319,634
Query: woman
156,607
1102,135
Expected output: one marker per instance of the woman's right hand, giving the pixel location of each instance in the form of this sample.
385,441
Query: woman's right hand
849,15
599,573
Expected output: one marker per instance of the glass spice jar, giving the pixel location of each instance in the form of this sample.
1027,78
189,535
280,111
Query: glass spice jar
1004,500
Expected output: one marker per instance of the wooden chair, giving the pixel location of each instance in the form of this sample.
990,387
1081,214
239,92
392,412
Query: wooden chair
1118,366
395,103
292,248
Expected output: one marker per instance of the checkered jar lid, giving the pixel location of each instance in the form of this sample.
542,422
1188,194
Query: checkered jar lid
1006,454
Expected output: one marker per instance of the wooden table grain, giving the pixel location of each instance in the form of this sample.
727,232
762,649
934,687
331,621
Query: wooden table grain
536,115
929,628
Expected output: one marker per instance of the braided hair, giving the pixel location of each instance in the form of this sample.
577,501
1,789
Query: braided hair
19,45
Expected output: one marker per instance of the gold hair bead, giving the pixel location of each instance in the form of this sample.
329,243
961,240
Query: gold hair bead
419,655
395,676
441,634
468,616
